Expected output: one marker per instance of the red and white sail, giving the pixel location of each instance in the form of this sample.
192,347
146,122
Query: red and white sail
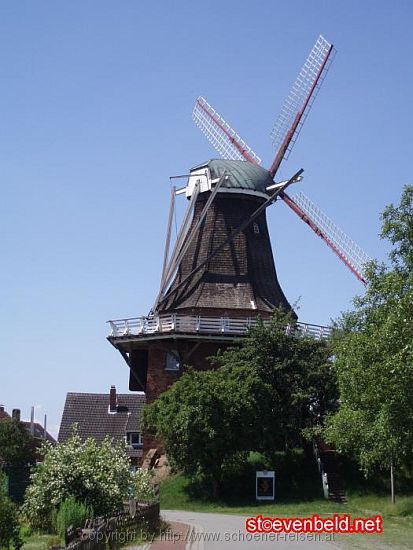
219,133
342,245
299,101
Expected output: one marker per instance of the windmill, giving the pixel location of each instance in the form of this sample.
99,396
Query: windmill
285,132
220,275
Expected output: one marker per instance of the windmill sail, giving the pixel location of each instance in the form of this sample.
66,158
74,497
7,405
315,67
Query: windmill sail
342,245
299,101
220,134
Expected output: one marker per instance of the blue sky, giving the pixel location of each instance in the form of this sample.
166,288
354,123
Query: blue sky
96,101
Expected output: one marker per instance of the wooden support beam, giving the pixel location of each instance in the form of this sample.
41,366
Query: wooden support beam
168,235
235,232
183,230
194,230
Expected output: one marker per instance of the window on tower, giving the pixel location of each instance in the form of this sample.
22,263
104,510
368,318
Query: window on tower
256,229
172,362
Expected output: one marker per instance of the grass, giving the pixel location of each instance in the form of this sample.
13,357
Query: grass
39,541
177,494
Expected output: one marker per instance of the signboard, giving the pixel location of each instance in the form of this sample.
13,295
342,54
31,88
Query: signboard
265,485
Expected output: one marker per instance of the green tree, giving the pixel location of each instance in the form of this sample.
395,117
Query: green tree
9,525
93,473
17,456
298,370
262,395
207,418
374,356
16,445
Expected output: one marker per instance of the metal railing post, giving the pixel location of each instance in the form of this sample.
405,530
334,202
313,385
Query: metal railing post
114,329
126,332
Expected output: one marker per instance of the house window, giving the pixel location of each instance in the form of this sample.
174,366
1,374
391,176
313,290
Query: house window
172,362
134,440
256,229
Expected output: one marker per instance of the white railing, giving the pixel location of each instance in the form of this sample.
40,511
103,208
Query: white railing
197,324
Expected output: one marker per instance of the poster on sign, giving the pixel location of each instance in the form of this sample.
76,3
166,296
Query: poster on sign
265,485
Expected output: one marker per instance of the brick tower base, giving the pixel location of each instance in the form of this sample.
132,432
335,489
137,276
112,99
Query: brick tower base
157,361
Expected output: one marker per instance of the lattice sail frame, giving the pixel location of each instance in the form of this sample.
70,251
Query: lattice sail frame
302,94
354,256
220,134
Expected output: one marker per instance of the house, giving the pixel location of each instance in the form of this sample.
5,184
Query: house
38,431
35,429
100,414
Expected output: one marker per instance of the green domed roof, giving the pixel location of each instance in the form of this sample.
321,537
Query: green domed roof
241,174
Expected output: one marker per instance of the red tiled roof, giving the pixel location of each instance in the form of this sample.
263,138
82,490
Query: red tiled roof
4,415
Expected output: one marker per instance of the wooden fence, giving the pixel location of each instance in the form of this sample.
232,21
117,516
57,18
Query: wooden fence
137,520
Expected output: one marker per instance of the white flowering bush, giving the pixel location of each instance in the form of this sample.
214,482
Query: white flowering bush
143,483
96,474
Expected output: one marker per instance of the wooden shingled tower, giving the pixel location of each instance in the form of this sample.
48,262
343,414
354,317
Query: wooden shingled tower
240,279
219,274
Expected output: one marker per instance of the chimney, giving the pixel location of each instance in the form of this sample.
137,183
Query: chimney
2,408
112,399
15,414
44,427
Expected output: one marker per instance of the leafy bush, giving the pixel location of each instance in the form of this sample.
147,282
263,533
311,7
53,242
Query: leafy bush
25,531
143,485
9,524
94,473
71,513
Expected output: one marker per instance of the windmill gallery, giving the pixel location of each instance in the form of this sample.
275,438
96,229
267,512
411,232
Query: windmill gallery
220,276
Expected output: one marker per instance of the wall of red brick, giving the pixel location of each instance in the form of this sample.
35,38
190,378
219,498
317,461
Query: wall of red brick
193,353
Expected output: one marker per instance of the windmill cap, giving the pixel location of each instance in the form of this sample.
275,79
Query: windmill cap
241,174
